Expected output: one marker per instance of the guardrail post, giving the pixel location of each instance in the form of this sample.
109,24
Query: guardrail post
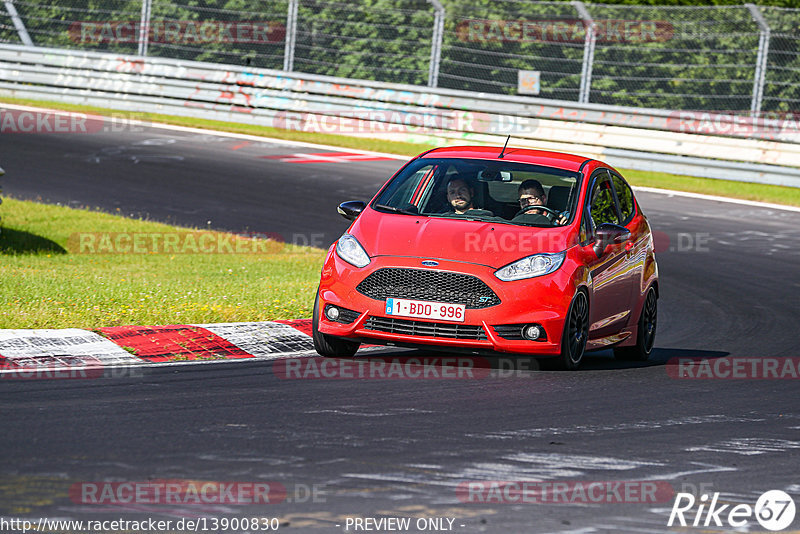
144,28
437,37
588,52
291,36
761,59
22,31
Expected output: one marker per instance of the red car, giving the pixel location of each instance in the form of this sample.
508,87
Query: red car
506,251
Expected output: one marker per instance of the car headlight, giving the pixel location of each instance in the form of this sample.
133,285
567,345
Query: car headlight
350,250
530,267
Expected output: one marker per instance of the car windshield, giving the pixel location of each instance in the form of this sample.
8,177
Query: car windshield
488,190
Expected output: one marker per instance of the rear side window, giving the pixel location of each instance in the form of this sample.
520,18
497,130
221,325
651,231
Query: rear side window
602,207
625,197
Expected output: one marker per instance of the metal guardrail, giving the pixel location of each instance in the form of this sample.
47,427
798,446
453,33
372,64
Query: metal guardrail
626,137
264,79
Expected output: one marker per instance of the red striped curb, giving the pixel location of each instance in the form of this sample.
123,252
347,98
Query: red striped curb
174,342
142,345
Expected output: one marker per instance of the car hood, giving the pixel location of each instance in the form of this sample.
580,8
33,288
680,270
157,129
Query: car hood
483,243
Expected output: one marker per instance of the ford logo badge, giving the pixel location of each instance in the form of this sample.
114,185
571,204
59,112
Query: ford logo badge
430,263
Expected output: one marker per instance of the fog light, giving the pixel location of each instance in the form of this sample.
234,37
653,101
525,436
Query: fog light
531,332
332,313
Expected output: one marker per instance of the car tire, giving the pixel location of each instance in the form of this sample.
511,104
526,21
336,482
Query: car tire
646,332
576,333
330,346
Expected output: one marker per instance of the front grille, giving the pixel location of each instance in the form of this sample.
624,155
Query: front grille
436,286
421,328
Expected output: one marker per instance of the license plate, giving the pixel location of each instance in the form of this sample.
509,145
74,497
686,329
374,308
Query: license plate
426,310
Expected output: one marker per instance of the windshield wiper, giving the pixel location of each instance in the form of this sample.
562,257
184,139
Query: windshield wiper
396,210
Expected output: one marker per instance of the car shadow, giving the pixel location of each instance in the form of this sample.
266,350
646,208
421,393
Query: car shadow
20,242
592,361
604,359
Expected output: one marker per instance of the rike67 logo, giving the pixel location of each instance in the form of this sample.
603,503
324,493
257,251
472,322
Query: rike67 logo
774,510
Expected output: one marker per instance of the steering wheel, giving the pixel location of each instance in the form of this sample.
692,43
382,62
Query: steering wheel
550,213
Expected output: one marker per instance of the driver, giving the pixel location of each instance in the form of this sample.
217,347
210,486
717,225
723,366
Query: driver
531,193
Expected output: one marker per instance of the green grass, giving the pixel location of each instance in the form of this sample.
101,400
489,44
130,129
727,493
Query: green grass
728,188
47,283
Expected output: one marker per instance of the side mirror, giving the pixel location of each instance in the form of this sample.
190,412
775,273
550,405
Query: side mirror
351,209
609,234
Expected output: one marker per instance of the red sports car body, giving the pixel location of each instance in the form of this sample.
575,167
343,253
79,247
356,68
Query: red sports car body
553,258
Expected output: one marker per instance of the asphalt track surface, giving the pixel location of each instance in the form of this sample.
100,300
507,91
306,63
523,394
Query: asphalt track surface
400,448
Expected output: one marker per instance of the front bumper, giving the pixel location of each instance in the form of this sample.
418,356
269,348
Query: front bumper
543,301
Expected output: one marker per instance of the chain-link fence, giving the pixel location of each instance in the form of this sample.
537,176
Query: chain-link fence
782,86
380,40
729,58
703,58
486,44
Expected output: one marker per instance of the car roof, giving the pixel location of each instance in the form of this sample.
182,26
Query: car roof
569,162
